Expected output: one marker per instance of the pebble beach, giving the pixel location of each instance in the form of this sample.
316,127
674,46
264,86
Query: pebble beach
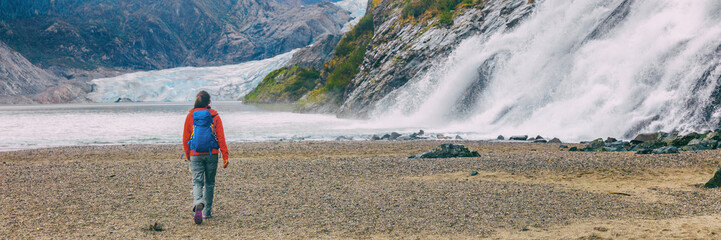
361,189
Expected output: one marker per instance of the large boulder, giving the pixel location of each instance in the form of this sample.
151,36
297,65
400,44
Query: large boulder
645,138
447,151
715,181
666,150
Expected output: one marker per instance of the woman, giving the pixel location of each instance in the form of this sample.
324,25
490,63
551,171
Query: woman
203,138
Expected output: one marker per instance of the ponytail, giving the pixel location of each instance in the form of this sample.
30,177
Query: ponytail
202,100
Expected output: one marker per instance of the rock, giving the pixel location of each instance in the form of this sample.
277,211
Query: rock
404,138
645,137
375,137
538,137
447,150
595,145
386,137
343,138
540,141
394,135
694,147
519,138
417,135
500,137
555,140
562,146
715,181
122,100
474,173
442,137
694,142
666,150
458,137
573,149
156,227
685,140
610,140
644,151
612,149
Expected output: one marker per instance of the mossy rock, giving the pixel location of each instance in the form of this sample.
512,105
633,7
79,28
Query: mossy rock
715,181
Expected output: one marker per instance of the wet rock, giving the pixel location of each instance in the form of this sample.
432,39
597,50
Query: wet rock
343,138
611,140
447,151
418,135
562,146
540,141
394,135
685,140
474,173
500,137
555,140
644,151
613,149
375,137
666,150
404,138
386,137
645,137
458,137
538,137
442,137
595,145
519,138
573,149
715,181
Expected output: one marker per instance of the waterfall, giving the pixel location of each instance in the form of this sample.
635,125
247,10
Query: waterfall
576,70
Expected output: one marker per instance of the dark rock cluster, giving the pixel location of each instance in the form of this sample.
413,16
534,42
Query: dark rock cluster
447,151
657,143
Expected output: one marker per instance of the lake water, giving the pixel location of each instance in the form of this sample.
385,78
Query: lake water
39,126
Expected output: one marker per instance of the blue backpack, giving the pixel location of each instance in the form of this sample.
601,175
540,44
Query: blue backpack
203,137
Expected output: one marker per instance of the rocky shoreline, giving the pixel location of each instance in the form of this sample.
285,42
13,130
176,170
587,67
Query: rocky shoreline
362,189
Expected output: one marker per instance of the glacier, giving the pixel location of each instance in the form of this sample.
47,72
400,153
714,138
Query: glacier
228,82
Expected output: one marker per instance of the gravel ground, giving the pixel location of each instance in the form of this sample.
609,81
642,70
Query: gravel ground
347,189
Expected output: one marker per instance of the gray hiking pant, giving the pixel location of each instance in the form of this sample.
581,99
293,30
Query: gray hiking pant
203,168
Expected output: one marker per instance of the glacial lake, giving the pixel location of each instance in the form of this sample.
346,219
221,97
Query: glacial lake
40,126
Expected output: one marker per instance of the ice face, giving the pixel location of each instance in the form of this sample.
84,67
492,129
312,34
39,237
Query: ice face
357,9
229,82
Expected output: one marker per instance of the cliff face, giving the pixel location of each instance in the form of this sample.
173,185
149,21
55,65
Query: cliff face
404,48
139,34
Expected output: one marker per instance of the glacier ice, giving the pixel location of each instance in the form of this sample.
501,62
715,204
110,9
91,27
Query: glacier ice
229,82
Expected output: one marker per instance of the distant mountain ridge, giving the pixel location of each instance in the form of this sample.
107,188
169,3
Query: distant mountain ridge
145,35
53,48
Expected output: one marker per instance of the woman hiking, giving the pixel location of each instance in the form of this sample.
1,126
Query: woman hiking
203,139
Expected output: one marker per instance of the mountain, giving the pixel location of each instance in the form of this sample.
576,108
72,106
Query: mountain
145,35
20,78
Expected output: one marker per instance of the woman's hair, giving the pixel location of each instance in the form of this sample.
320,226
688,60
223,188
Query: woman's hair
202,100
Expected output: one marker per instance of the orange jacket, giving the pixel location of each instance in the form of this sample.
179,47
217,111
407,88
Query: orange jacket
188,131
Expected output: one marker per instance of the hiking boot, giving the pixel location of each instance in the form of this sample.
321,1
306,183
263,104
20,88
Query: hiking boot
198,218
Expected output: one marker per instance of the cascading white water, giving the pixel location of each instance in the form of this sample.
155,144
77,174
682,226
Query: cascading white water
653,69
